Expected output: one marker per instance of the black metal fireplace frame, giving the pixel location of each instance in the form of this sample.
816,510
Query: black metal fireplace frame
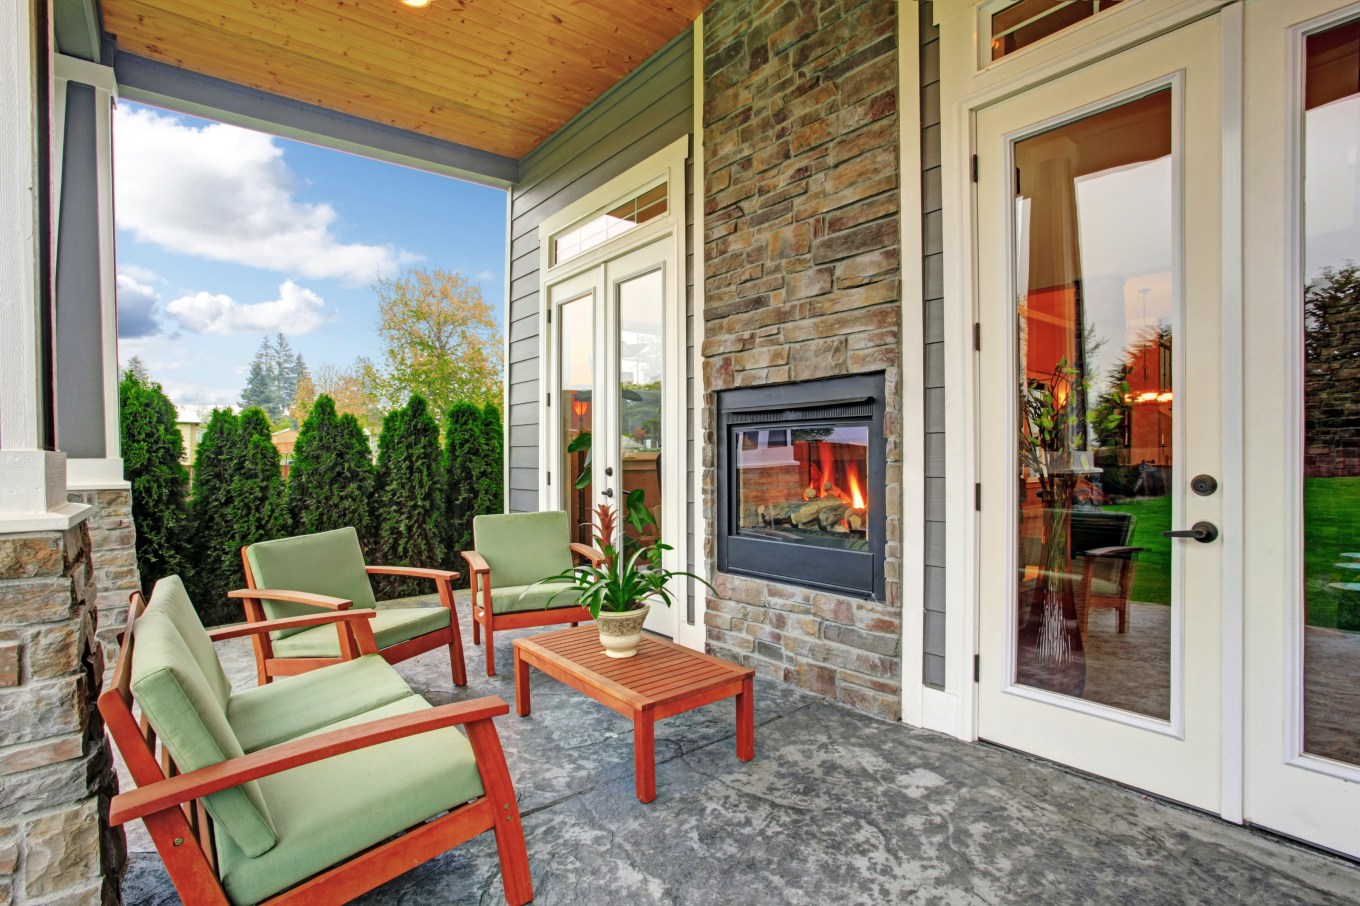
852,400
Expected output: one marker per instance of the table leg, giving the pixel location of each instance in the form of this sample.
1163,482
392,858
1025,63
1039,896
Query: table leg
644,755
521,685
746,721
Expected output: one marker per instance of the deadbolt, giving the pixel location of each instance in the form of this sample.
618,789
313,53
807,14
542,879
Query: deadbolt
609,472
1204,485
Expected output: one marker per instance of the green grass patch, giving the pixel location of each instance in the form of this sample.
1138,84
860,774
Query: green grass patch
1331,509
1152,578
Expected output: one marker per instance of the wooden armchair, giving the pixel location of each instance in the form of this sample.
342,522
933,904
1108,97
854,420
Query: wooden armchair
1100,549
512,553
287,792
327,570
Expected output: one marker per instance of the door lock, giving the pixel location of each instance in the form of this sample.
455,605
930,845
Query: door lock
1204,485
608,471
1203,532
608,492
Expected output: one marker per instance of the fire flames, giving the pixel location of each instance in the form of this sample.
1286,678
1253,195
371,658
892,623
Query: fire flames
852,478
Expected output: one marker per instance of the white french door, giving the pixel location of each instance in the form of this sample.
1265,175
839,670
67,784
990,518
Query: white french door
1099,208
1301,584
617,429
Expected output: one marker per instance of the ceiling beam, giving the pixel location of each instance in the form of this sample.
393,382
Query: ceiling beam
149,81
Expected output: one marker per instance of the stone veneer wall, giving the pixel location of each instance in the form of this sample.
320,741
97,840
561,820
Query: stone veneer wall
56,771
801,261
114,542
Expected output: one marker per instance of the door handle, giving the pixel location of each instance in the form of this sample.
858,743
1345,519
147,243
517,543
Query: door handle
1203,532
608,492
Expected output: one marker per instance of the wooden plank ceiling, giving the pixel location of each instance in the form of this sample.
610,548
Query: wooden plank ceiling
496,75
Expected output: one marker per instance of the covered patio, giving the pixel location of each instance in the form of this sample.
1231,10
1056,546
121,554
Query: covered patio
837,807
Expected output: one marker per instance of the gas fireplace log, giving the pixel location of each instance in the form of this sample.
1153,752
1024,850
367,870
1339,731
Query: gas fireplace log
810,514
831,517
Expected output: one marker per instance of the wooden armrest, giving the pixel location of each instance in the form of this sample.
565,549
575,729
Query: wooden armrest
585,550
476,562
183,788
292,597
300,622
1115,551
417,572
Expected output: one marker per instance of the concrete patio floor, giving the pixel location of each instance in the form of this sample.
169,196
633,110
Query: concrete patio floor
837,808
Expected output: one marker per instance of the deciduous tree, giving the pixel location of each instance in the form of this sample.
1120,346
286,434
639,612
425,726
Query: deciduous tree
355,389
440,339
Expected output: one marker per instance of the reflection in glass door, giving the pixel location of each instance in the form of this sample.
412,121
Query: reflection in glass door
1331,388
641,363
576,382
1094,268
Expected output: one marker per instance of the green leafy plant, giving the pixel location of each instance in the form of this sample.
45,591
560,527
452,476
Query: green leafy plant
621,581
152,449
408,517
331,480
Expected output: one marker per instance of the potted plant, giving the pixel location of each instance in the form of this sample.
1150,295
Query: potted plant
619,590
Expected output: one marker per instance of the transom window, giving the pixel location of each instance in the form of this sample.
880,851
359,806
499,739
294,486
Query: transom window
1021,24
600,229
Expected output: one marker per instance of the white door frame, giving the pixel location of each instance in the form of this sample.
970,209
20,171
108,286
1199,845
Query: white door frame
966,85
668,166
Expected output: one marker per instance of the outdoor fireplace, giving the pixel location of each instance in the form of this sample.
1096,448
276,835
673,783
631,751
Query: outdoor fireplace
801,483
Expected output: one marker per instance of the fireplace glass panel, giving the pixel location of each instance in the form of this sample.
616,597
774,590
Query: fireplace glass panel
804,485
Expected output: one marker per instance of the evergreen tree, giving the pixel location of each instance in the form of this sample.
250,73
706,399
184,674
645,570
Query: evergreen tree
260,389
137,368
216,564
259,510
152,448
330,485
409,513
272,382
461,450
491,462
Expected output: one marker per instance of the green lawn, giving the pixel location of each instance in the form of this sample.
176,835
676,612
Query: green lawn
1152,580
1332,527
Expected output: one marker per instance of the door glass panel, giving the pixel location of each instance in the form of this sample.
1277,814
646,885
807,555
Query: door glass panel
1022,23
1331,383
641,362
1096,284
576,380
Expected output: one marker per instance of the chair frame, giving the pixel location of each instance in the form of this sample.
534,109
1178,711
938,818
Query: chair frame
484,618
1119,604
267,666
171,803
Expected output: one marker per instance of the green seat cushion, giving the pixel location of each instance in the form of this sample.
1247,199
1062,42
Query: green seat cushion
522,548
390,626
170,598
179,702
326,563
521,598
290,707
332,809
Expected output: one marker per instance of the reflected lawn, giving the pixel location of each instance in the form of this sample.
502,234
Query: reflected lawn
1152,579
1331,528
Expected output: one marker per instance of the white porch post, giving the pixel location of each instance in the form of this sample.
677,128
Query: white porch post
32,480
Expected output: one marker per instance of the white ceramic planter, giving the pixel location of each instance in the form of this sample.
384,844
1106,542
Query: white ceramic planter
620,633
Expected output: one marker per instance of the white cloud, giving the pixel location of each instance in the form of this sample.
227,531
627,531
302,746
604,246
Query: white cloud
139,273
225,193
485,277
137,307
296,310
183,394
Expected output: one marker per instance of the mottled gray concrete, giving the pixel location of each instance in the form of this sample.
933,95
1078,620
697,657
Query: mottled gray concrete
837,808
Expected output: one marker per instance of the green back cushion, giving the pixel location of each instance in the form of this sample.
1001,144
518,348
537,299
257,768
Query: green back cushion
184,711
327,563
522,548
170,598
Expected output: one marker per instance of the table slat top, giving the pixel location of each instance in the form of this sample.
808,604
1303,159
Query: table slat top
659,672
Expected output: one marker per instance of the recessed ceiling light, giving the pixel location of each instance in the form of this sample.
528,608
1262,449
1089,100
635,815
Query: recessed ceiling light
418,4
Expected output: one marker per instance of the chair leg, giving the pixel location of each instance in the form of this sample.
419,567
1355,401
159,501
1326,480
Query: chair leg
476,627
509,829
456,661
490,652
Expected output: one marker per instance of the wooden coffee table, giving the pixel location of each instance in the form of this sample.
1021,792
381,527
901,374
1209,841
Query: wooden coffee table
663,679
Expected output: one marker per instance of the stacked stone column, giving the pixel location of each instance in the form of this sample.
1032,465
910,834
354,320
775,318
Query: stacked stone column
56,772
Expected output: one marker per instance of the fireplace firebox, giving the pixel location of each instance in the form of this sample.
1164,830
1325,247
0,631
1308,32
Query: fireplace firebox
801,483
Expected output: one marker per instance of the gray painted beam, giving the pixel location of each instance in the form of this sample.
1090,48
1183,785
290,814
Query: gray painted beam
77,28
153,82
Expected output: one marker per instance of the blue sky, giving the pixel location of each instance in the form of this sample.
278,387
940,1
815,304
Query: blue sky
225,235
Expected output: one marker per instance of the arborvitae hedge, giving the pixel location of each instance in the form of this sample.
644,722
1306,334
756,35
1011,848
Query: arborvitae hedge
330,484
152,449
216,565
490,463
409,517
461,450
259,509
